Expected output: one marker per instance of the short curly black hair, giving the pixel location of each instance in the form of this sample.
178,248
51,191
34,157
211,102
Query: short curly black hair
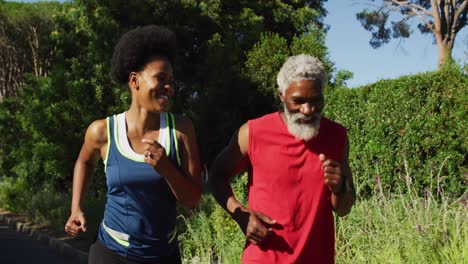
138,46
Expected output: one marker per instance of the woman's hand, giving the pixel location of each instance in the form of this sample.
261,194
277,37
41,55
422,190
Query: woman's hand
76,224
154,153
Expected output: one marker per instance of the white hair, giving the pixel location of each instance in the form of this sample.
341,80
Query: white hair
301,67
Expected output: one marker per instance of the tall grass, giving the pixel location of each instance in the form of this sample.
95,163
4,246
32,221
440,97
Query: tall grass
401,230
210,235
404,227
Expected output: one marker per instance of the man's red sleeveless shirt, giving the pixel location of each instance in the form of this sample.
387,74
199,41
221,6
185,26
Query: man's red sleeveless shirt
286,183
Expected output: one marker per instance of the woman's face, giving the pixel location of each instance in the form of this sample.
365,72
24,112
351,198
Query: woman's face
154,85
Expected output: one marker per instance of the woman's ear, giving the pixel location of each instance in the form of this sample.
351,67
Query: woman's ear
133,81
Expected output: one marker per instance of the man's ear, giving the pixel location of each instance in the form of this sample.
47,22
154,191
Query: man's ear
133,81
281,96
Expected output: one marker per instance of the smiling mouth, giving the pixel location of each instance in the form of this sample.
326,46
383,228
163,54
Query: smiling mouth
164,97
308,120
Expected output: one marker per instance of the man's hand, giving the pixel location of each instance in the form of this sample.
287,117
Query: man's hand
255,225
154,153
76,224
332,174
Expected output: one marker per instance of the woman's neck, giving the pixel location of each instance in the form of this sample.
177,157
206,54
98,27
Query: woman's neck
141,121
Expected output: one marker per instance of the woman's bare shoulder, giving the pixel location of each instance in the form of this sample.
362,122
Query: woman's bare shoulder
97,132
184,124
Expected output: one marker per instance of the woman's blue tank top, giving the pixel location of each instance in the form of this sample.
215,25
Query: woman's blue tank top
140,213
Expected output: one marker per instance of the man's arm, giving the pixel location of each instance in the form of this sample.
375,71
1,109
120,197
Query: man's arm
232,160
339,178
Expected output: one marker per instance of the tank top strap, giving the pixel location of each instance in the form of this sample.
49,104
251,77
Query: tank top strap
110,124
173,144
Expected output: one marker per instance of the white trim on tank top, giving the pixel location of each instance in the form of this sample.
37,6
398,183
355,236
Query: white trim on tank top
122,134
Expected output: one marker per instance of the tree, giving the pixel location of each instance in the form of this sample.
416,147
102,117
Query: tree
267,56
24,43
214,37
50,114
441,18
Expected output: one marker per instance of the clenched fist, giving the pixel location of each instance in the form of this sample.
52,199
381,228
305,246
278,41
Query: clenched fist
154,153
76,224
332,174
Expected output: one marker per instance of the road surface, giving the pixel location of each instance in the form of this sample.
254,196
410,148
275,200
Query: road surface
18,248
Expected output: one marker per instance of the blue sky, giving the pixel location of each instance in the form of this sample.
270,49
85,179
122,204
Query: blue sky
349,48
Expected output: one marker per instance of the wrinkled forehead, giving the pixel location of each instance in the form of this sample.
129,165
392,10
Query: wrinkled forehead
306,86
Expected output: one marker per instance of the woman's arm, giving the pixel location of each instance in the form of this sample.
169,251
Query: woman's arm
185,184
94,145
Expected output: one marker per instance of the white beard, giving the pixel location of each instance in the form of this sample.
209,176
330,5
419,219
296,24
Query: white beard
304,131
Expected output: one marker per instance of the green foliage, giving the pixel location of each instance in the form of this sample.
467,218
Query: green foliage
51,113
11,133
416,122
375,21
25,46
78,89
47,207
14,195
209,235
341,77
44,206
47,141
264,61
404,228
313,42
267,56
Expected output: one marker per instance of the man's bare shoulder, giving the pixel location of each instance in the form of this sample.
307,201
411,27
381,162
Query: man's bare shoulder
243,139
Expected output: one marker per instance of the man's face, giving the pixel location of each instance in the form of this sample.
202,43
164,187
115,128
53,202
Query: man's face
303,103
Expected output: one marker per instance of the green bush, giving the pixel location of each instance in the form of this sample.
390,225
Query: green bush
48,207
44,206
415,122
14,195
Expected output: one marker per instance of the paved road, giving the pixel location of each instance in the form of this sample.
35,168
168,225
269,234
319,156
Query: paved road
18,248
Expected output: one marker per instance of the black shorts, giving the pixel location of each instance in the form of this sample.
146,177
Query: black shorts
100,254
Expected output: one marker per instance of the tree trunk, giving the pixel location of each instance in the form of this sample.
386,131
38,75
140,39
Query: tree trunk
445,56
445,51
